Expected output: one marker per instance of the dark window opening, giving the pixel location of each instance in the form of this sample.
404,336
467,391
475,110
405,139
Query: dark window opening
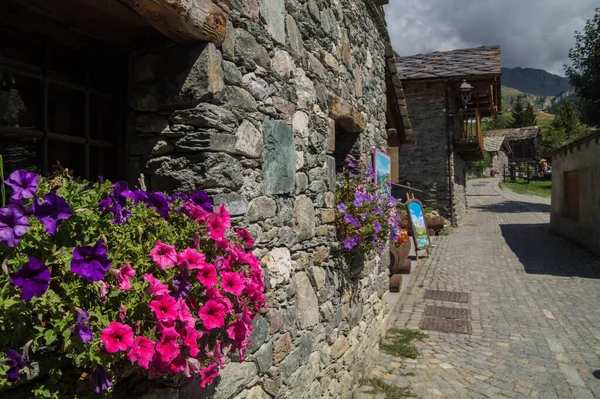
61,104
571,194
346,145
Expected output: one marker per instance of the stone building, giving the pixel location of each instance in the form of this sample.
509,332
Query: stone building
447,133
576,191
258,102
499,150
525,142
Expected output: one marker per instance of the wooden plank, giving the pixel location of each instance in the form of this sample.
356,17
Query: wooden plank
184,21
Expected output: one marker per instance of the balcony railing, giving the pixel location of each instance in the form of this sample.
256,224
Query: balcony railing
468,135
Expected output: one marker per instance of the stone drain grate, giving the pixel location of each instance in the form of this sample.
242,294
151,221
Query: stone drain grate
449,296
446,325
444,312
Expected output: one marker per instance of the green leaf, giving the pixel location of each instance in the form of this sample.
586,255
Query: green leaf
50,337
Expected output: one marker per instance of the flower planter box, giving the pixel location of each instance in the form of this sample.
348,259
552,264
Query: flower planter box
395,283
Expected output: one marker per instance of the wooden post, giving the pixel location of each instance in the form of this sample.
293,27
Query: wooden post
184,21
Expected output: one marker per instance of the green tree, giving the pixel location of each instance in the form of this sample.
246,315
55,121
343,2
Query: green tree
565,127
529,118
522,115
584,74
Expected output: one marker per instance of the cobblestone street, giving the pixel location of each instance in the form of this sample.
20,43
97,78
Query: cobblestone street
534,300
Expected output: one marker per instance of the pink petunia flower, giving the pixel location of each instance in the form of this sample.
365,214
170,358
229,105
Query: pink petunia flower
163,255
212,314
192,367
156,287
124,274
225,216
238,331
208,374
165,308
117,337
214,294
142,351
245,236
191,340
177,365
122,312
168,346
216,354
197,213
190,259
103,289
207,275
232,282
185,316
216,227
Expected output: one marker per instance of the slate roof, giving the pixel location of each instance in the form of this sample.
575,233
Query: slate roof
522,133
450,64
493,143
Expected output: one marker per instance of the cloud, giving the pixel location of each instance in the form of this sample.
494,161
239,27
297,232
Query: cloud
531,33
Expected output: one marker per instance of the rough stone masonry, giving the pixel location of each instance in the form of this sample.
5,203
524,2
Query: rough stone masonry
261,123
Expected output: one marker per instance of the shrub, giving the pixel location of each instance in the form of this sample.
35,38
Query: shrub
116,282
366,213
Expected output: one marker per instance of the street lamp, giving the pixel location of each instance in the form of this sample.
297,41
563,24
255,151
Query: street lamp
466,90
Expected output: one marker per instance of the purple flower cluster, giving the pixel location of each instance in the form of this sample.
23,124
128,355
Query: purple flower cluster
16,363
351,242
82,328
351,220
91,263
33,278
13,217
52,211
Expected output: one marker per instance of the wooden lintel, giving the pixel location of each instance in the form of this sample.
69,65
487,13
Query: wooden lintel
381,2
184,21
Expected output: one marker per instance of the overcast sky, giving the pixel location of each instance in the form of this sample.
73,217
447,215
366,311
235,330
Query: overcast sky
531,33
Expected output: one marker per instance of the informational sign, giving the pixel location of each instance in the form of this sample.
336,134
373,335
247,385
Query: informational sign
416,217
382,165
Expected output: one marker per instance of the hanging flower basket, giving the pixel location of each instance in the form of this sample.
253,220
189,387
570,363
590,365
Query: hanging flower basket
118,282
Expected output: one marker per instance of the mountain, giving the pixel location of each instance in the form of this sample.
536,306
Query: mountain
535,81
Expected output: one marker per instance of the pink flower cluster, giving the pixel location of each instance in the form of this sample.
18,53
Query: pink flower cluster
192,333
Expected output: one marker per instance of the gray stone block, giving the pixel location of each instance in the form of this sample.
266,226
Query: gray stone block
279,157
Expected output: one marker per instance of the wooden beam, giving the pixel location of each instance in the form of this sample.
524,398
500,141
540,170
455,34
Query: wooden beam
381,2
184,21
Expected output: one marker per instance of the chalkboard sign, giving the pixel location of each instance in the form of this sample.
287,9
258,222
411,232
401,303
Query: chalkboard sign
416,218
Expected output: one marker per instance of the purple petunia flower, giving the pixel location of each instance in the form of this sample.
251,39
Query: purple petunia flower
377,226
82,328
99,380
32,278
182,286
351,242
52,211
159,202
121,215
16,363
139,196
202,199
23,183
342,207
121,192
351,220
351,163
91,263
13,225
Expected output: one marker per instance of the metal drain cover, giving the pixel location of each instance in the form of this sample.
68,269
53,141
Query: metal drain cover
446,325
449,296
443,312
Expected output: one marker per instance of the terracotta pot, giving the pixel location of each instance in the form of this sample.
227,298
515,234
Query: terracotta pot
395,283
435,223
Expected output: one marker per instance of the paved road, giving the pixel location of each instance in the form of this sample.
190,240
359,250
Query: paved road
535,308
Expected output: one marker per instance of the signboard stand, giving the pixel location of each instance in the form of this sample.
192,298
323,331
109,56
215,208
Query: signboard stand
418,226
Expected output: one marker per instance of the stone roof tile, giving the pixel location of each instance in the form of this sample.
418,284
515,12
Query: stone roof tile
444,64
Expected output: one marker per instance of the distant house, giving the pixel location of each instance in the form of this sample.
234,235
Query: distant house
499,150
447,133
576,191
525,142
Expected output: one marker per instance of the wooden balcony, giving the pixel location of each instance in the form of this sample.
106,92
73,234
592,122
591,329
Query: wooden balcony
468,136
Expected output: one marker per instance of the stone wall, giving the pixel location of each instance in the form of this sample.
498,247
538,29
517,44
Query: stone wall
259,124
427,165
